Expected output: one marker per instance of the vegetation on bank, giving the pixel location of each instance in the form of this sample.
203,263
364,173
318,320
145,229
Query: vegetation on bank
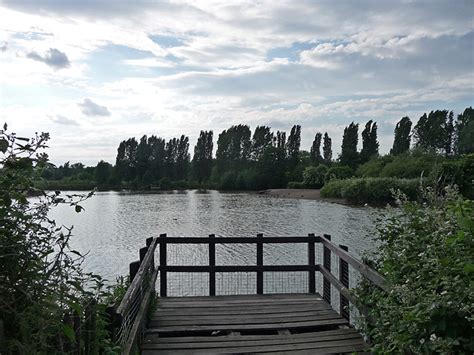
440,152
45,296
425,255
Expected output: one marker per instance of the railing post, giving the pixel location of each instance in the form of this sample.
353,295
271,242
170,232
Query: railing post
327,265
134,269
163,263
311,262
143,253
260,264
344,278
148,243
212,262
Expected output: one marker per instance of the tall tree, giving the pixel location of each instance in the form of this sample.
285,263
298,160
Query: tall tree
401,142
370,145
293,144
327,148
280,140
435,131
233,148
143,157
315,152
202,159
102,173
126,159
262,138
182,158
157,157
349,155
464,142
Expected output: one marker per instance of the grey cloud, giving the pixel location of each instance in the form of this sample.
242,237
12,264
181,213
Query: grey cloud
64,121
90,108
4,47
53,58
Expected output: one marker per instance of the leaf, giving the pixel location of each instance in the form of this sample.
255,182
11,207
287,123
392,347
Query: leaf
76,252
5,126
469,268
3,145
78,208
69,332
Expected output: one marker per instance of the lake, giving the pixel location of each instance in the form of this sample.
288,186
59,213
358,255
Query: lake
115,225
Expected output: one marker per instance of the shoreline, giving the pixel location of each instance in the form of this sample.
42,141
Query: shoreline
304,194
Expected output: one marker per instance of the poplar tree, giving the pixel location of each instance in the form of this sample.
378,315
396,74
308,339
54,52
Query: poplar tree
315,152
202,159
401,142
370,145
349,155
262,138
293,144
464,138
327,148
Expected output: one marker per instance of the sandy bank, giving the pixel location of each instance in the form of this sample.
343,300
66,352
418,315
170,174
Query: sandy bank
308,194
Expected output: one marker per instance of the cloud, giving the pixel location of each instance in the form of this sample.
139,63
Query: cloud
4,47
52,57
90,108
61,120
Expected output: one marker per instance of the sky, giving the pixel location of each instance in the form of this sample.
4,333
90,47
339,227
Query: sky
93,73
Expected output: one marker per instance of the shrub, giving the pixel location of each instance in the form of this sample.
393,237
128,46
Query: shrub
313,177
425,254
296,185
339,173
370,190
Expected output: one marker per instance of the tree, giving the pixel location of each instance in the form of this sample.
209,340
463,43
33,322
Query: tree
202,159
157,157
233,148
349,155
315,152
182,158
314,176
327,148
370,145
126,159
401,142
293,144
435,131
103,172
280,140
262,138
464,138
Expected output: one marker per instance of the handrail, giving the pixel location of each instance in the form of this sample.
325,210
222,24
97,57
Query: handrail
239,240
134,304
365,270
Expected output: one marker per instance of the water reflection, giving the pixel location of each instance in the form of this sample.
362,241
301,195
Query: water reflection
115,225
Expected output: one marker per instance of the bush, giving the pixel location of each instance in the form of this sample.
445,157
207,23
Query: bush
425,254
408,166
296,185
370,190
339,173
314,177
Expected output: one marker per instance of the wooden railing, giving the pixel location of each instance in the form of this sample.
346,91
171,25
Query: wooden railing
128,319
341,283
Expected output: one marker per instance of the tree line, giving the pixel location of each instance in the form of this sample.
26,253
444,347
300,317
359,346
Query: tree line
263,159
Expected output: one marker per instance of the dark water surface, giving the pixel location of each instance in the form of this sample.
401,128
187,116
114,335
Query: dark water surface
115,225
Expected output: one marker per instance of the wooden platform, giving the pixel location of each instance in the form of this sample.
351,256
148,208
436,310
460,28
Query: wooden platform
282,323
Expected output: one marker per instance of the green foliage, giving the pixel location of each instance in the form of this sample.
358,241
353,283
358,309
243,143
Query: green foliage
370,145
315,152
262,138
425,254
339,173
349,155
293,144
401,142
296,185
465,132
327,148
202,160
41,280
370,190
409,166
314,176
435,131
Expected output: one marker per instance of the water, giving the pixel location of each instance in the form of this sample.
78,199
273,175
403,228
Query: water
115,225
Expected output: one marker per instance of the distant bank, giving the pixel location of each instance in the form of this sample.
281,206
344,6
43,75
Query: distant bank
307,194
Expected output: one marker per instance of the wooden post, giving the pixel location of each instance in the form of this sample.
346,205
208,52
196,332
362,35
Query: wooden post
148,243
327,265
212,262
260,264
163,262
311,262
143,253
134,269
344,278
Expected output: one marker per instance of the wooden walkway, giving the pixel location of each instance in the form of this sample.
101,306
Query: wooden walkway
272,323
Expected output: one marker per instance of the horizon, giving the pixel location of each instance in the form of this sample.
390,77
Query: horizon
95,73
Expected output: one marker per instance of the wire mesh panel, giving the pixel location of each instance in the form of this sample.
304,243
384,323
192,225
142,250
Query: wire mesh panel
236,283
285,254
285,282
236,254
182,284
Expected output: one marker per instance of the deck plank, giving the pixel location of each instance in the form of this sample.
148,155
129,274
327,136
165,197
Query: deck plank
184,325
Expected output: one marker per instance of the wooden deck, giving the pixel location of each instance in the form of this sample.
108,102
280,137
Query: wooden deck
274,323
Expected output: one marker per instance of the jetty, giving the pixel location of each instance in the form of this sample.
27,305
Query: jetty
151,322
